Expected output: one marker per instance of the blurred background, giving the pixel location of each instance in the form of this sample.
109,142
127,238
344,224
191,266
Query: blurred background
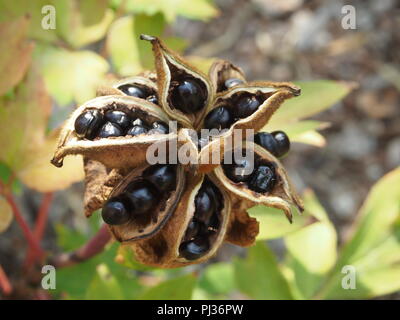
46,73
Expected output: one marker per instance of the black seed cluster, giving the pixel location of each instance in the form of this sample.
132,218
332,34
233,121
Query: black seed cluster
276,142
259,177
139,92
140,196
205,222
92,124
188,95
240,107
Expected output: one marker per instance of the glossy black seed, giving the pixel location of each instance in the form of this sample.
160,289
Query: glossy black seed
162,176
193,229
136,130
133,91
283,143
204,206
232,82
188,96
110,130
219,118
115,212
214,194
138,122
152,99
159,127
214,223
88,123
246,105
142,198
263,179
194,249
240,170
118,117
267,141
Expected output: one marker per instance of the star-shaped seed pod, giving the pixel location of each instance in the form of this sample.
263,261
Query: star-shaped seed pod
178,213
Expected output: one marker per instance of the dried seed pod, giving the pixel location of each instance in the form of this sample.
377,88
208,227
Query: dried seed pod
140,87
270,187
184,92
222,71
146,81
267,96
170,247
115,152
148,200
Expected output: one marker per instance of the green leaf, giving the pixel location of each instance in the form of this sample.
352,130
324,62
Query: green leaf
274,224
259,276
179,288
126,257
312,251
104,285
81,71
217,279
376,274
194,9
316,96
75,281
129,54
15,53
83,22
376,218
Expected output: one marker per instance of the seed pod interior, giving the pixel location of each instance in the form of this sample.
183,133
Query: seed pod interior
126,146
148,199
222,71
267,183
184,92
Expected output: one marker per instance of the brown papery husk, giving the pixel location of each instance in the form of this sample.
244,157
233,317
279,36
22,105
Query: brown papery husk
99,183
162,250
283,196
163,59
113,152
222,70
166,204
276,93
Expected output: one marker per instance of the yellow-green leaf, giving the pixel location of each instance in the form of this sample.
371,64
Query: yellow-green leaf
376,218
179,288
83,22
129,54
15,52
26,149
316,96
274,224
259,275
6,214
194,9
104,285
70,76
312,251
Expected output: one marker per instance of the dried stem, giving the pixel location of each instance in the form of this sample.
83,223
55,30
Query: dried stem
87,251
5,284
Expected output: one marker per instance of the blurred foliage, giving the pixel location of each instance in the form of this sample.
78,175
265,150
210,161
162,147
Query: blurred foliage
45,73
